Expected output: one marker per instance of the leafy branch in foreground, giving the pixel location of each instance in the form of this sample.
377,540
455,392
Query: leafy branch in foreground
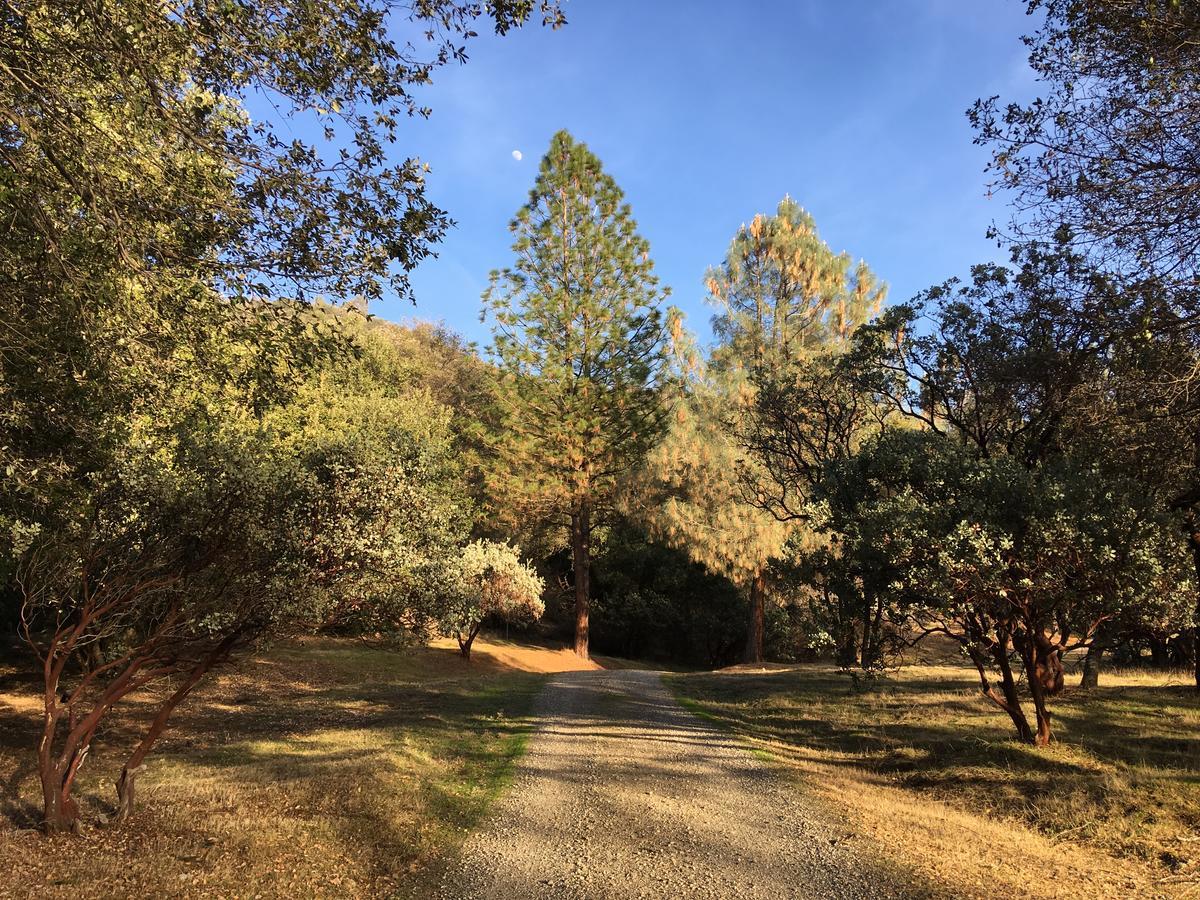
296,104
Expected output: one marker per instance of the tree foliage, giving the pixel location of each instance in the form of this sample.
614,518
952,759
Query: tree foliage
783,293
110,107
782,296
1004,559
490,581
337,506
185,466
1106,160
1109,152
654,602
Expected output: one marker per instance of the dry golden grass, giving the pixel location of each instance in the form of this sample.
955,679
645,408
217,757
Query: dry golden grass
921,766
325,768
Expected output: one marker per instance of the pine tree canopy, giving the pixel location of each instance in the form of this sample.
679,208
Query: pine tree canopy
782,291
580,338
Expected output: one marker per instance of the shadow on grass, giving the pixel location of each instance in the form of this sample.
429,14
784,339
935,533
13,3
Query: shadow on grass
305,720
1125,766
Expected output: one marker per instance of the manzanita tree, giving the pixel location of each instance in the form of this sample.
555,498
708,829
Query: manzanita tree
1017,565
1107,158
335,507
490,581
162,230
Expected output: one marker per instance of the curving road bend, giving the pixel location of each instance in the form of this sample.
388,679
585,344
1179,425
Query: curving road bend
623,794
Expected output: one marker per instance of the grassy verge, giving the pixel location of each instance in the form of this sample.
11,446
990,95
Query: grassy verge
922,765
329,768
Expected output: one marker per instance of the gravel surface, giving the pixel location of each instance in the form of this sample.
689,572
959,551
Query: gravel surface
624,794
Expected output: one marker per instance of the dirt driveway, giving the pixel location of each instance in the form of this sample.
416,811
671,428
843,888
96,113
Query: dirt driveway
624,794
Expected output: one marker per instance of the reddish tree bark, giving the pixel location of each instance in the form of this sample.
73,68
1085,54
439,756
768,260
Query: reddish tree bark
1044,673
464,644
1196,645
107,603
57,771
126,781
1007,698
581,537
754,638
846,652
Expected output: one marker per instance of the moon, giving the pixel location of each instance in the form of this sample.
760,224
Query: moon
517,155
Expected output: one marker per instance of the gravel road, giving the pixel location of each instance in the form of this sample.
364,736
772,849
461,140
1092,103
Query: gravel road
624,794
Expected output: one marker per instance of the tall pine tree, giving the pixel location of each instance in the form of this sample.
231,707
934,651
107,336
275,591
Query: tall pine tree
690,495
580,338
782,296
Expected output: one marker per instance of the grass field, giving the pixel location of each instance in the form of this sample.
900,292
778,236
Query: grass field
328,768
921,764
335,768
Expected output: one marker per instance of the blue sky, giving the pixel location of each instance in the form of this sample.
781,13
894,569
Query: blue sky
709,112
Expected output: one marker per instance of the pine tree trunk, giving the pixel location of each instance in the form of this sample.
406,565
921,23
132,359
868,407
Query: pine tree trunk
754,638
1194,543
581,558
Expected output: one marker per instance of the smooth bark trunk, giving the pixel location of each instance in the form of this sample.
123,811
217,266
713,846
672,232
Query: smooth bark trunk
1011,703
53,818
1160,657
1041,711
464,644
127,781
1044,673
60,812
